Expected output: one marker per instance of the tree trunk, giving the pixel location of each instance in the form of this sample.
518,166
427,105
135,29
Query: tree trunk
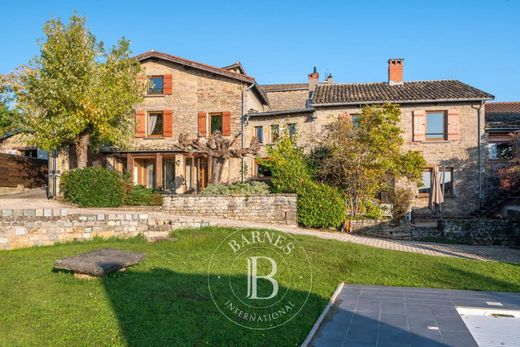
82,149
217,165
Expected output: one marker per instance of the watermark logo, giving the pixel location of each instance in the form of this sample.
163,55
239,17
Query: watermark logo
259,279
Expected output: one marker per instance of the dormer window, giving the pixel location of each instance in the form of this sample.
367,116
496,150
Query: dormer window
156,85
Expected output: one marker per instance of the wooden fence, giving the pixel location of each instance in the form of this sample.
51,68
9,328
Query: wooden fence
16,169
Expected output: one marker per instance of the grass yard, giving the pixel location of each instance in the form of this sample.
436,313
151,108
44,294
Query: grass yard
165,301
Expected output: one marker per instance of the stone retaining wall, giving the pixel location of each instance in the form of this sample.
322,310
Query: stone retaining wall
469,231
272,208
38,227
481,231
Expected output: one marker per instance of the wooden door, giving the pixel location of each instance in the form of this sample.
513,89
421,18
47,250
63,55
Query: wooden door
203,172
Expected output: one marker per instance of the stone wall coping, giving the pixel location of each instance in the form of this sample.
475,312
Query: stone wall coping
229,196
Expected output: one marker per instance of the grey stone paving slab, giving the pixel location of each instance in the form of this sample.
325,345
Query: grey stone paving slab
404,317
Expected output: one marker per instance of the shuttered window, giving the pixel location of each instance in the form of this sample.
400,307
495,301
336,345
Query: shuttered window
435,126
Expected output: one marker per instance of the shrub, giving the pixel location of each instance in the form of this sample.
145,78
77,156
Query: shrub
401,199
288,164
372,210
509,179
93,187
246,188
141,196
320,206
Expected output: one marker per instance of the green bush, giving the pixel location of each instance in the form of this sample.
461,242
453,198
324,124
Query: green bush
141,196
320,206
288,165
246,188
93,187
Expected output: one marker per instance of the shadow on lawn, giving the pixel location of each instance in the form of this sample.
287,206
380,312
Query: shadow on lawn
167,308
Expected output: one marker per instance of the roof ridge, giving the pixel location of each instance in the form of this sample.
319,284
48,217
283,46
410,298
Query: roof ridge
504,102
158,53
383,82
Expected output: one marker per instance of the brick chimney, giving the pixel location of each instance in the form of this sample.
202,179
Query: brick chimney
395,71
314,77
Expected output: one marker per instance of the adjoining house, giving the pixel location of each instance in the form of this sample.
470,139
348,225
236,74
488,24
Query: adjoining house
17,143
502,126
443,119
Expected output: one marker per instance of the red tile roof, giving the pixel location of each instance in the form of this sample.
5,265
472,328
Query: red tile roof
503,107
284,87
407,92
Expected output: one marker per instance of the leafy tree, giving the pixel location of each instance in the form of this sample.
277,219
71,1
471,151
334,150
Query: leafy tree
365,158
7,113
76,92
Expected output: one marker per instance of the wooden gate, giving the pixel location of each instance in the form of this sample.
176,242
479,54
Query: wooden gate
19,170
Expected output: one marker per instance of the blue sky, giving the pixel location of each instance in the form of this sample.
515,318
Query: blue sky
477,42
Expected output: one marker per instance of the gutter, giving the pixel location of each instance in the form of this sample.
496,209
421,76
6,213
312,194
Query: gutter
397,102
243,119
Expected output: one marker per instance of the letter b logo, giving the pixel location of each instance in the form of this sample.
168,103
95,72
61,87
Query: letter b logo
252,278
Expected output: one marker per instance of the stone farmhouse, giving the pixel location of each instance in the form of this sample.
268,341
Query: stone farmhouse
444,119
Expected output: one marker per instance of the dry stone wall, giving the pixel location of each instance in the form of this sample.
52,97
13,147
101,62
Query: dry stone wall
273,208
40,227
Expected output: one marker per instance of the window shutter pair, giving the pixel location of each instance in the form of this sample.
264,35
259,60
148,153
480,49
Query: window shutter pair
140,123
452,125
202,121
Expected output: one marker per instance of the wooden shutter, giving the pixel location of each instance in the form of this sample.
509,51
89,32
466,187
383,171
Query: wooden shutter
140,124
168,123
167,84
453,125
226,123
203,128
419,126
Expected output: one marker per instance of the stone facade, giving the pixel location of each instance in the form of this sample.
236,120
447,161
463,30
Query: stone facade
461,154
40,227
193,91
274,208
288,99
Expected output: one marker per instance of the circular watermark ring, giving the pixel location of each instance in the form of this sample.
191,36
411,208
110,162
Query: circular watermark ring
259,279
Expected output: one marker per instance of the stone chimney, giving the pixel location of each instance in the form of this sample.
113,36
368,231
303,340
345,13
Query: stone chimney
395,71
313,80
329,79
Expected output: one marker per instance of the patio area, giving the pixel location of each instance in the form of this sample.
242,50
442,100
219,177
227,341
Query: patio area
398,316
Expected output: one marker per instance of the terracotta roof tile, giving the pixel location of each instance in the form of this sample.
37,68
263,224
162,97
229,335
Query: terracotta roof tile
503,115
413,91
284,87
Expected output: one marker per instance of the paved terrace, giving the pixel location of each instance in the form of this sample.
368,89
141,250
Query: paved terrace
408,317
486,253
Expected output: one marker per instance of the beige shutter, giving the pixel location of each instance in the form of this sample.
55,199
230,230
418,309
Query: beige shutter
419,126
453,125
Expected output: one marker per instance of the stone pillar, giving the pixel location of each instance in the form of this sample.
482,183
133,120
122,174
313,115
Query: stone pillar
179,174
158,170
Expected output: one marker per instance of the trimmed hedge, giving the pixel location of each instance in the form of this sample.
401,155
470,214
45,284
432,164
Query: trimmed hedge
93,187
320,206
246,188
141,196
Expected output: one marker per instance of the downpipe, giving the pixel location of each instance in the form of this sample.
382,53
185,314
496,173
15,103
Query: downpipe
243,121
479,153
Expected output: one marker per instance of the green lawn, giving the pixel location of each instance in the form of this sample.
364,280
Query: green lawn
164,301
